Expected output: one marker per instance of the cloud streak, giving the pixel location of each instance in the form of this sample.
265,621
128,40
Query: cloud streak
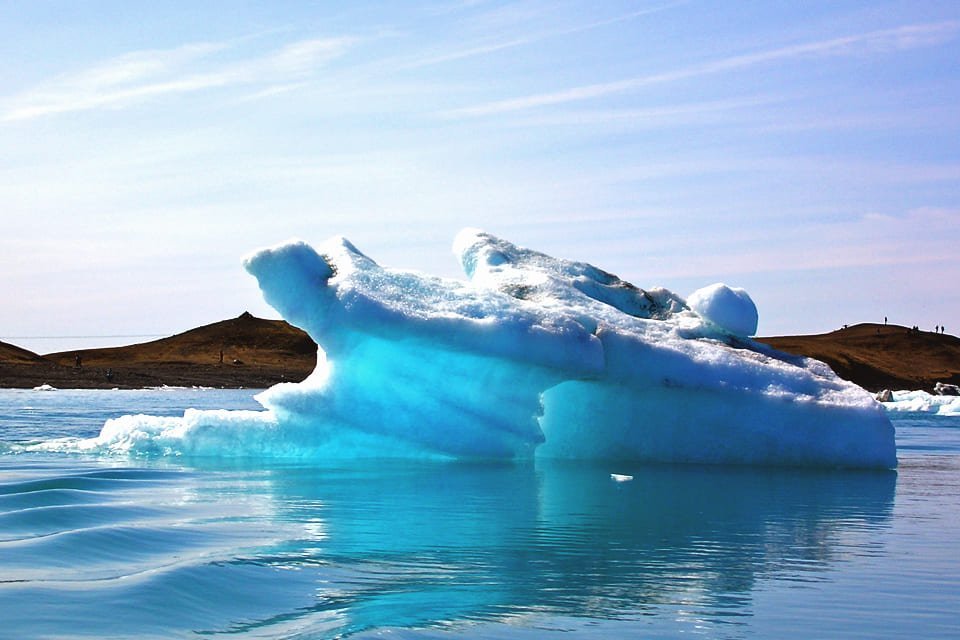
873,42
496,46
141,75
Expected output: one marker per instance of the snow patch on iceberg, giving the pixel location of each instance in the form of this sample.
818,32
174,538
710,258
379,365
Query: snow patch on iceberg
531,356
730,310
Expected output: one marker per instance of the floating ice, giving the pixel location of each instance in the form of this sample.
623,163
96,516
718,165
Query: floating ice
923,402
533,356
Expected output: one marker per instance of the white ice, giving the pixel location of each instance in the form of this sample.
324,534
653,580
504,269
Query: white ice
923,402
531,356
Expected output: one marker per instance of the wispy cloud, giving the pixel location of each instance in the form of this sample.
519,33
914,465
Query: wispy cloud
869,241
509,43
873,42
141,75
651,117
273,90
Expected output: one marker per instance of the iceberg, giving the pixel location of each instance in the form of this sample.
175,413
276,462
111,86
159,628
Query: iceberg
538,356
908,401
529,357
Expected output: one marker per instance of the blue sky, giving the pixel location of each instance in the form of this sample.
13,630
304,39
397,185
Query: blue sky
808,152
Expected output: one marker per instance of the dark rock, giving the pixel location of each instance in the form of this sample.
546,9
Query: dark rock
943,389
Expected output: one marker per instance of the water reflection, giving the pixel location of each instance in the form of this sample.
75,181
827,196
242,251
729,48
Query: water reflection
269,550
423,544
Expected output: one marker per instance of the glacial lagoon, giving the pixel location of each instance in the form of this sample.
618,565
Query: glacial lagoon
99,545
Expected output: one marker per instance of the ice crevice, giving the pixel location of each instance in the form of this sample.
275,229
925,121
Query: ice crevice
530,356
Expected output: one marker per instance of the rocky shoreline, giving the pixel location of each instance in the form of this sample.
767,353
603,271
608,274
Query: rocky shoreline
249,352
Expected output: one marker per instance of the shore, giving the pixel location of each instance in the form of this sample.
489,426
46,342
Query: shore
250,352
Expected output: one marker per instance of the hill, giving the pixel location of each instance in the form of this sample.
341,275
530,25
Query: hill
241,352
12,353
20,368
878,356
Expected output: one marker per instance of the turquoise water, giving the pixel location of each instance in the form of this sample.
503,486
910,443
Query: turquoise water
118,547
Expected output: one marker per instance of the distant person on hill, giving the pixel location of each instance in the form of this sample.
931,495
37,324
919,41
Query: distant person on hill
78,363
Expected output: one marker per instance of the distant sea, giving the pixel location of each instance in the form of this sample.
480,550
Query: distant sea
98,546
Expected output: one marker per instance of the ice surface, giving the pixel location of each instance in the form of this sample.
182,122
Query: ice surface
729,309
923,402
531,356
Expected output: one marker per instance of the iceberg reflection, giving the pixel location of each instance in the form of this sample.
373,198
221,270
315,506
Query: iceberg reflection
414,545
271,550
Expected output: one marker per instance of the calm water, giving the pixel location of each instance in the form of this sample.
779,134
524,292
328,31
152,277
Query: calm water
105,547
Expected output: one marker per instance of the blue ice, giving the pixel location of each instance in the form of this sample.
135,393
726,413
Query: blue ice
529,356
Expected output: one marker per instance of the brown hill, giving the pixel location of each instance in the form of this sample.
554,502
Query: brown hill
20,368
242,352
12,353
878,356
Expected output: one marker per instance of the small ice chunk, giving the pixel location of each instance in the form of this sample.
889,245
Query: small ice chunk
729,309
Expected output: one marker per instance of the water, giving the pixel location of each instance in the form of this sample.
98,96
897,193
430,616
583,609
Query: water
119,547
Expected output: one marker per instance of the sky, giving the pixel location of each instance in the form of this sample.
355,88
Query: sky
807,152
